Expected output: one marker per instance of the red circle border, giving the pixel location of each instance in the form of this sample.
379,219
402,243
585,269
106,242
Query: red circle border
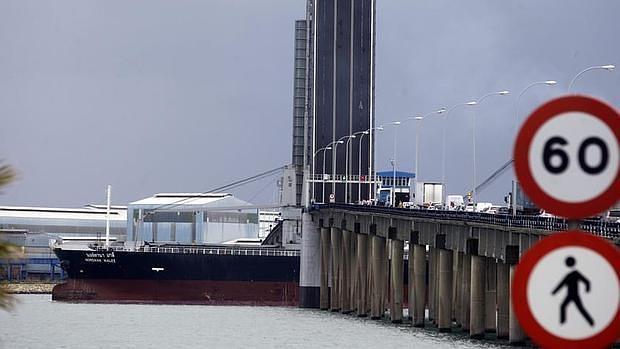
521,153
519,289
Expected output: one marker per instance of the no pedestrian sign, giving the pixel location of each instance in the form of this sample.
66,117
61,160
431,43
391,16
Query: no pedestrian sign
566,291
567,154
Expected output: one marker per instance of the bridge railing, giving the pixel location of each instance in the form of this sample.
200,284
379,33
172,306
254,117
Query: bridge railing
609,230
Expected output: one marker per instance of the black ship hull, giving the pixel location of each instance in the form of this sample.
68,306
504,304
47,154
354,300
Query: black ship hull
180,276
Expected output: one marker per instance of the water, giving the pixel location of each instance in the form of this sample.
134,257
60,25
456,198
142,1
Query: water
37,322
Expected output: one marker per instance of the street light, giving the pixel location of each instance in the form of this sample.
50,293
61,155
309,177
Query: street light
500,93
346,170
417,146
395,123
608,67
324,156
335,157
359,163
443,147
516,116
516,126
314,170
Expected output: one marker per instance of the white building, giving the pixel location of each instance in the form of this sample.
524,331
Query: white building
191,218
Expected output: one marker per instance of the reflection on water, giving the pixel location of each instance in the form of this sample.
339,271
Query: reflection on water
37,322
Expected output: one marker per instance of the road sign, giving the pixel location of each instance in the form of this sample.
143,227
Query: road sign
332,198
567,154
566,291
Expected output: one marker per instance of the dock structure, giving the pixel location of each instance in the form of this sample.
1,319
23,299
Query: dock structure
454,266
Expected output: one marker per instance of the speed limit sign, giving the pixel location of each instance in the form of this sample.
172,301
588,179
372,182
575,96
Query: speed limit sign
566,156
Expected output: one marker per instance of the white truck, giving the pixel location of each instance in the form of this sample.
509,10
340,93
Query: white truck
428,194
455,203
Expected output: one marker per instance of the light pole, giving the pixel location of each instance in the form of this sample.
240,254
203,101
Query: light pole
324,156
500,93
335,157
443,147
417,147
359,163
608,67
516,116
516,127
395,123
417,156
313,169
346,173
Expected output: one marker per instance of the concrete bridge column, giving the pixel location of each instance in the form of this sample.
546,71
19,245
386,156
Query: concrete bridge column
369,276
466,292
419,283
353,271
385,294
378,270
457,260
432,283
478,285
325,257
336,239
516,336
362,275
490,296
345,272
310,264
410,287
444,319
396,273
503,300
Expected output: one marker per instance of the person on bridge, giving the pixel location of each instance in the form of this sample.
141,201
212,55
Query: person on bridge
571,282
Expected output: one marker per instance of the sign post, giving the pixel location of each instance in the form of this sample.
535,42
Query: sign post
566,288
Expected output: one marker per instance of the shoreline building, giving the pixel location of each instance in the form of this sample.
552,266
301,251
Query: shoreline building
32,228
191,218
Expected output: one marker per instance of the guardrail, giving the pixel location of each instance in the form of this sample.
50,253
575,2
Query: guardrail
211,250
609,230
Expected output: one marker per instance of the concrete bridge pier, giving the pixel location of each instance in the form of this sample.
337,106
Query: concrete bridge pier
490,296
396,281
325,258
503,299
516,336
444,320
466,291
362,275
457,308
310,263
410,287
336,240
432,284
345,272
378,271
419,283
478,285
353,270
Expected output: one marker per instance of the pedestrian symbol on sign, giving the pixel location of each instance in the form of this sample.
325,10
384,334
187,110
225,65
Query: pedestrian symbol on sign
571,282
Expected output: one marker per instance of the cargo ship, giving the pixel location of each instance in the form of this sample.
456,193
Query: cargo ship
179,274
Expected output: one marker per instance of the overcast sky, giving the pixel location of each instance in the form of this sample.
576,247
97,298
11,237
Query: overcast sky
164,96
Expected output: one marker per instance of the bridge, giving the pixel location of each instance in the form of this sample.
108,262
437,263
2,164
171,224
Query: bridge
449,269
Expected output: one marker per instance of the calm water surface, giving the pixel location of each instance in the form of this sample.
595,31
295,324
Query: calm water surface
37,322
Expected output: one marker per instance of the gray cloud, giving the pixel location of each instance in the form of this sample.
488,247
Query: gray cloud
154,96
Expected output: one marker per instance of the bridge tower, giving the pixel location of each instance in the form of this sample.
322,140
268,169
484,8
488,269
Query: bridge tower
334,95
333,98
